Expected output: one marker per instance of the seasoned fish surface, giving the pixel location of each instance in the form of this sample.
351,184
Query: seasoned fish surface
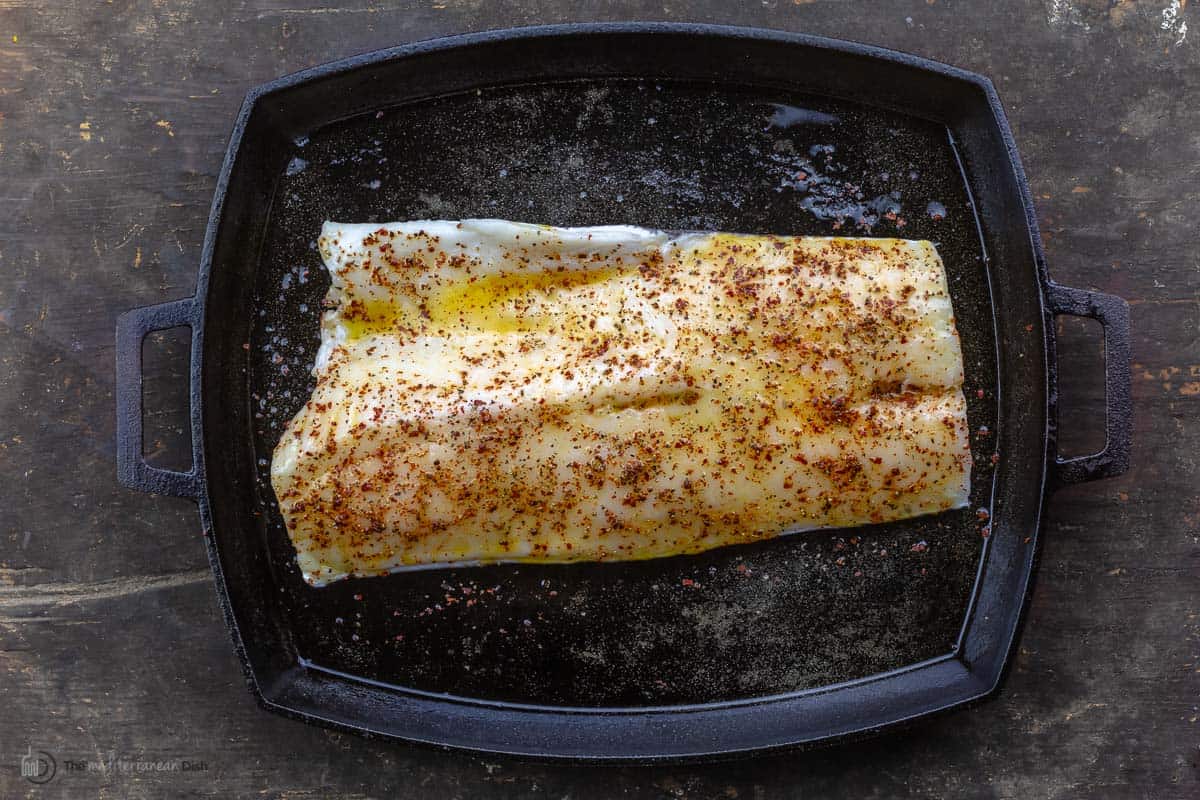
494,391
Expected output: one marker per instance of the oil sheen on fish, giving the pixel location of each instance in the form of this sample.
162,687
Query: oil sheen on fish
495,391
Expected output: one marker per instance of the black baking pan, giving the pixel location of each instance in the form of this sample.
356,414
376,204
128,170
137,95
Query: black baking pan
681,127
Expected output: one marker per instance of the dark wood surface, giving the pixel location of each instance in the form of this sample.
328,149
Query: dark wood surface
113,122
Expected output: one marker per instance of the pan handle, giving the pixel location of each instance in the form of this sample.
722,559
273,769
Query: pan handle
132,469
1113,315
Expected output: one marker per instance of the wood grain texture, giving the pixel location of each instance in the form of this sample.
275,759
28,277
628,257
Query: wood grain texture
113,122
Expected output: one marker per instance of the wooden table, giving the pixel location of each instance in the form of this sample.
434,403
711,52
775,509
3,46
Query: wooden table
113,123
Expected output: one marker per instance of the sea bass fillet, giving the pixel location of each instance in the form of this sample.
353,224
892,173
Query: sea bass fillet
494,391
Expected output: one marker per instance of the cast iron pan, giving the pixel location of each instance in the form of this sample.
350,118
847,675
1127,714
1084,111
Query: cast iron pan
801,639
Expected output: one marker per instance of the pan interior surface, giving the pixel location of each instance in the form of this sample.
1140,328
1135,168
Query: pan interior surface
793,613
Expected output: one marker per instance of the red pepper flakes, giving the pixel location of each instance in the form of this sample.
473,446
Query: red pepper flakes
919,547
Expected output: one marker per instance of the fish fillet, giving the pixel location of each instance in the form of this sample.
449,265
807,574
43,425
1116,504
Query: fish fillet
494,391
